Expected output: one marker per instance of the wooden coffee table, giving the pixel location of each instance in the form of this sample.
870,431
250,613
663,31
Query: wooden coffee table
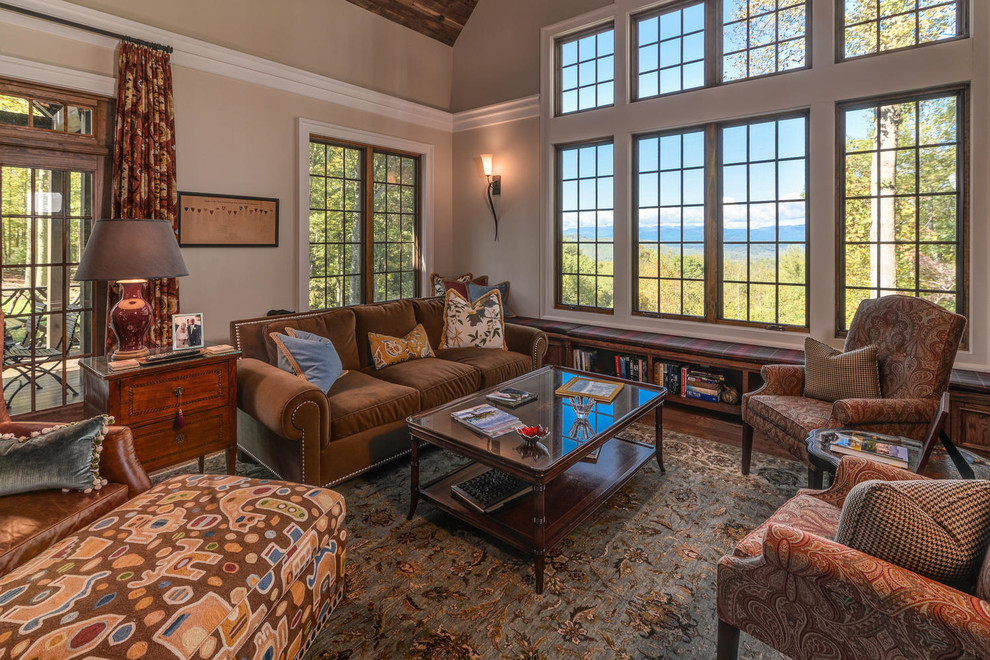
566,488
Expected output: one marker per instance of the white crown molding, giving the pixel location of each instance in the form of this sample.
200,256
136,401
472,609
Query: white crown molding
57,76
210,58
499,113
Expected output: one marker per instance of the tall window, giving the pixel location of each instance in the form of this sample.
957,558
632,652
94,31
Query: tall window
52,173
670,50
760,37
869,26
586,71
362,247
585,225
757,223
901,177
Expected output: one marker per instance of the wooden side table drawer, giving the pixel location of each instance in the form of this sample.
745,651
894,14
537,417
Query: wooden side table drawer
155,396
159,445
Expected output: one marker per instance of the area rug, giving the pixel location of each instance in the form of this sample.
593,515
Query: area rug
635,580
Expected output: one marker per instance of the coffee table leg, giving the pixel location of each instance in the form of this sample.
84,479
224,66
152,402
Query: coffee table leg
539,533
658,430
414,481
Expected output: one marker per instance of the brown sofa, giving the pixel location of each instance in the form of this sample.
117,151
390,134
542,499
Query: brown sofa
305,435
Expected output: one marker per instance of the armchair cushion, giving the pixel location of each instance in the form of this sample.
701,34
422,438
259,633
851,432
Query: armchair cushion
831,375
804,512
936,528
796,416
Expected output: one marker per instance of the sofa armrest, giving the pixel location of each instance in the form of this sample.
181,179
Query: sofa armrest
855,470
118,462
528,341
288,406
850,412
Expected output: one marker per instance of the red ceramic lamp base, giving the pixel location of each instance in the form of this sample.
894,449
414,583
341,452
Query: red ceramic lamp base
129,320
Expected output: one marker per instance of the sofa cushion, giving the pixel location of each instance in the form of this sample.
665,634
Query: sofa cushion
437,280
937,528
797,416
804,512
832,375
438,381
359,401
337,325
429,314
495,366
394,318
34,521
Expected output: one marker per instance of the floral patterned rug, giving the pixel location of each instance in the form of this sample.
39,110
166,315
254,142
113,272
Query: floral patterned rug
635,580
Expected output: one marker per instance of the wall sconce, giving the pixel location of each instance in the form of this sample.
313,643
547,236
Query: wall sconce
494,186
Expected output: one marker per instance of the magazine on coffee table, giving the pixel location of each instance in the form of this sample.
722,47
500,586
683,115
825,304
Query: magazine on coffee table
876,447
488,420
510,397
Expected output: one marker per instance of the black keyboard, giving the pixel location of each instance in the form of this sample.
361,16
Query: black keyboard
173,355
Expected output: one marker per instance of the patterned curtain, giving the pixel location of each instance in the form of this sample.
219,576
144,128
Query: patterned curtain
144,185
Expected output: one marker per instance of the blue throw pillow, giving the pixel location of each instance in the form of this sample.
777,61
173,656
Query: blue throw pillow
475,291
310,356
60,457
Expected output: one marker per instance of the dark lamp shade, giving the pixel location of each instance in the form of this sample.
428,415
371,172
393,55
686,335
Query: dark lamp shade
131,249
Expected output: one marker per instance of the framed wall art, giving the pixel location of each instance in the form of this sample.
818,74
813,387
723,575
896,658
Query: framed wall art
207,220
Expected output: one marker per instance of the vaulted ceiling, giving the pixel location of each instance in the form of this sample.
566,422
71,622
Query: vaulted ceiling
442,20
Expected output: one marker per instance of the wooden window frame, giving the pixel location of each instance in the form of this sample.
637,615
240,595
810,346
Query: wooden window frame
558,214
634,48
714,225
367,210
962,32
963,160
558,76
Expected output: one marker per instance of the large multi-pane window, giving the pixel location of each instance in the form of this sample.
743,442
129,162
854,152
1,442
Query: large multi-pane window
764,174
901,178
586,71
760,37
362,248
585,226
734,250
872,26
670,223
670,50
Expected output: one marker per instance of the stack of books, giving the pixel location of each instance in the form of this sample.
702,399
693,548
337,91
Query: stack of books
122,365
219,349
510,397
702,385
488,420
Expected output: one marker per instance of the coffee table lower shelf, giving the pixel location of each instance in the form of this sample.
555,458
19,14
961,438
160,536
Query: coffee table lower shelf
567,500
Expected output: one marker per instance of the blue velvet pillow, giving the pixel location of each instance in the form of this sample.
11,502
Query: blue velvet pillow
61,457
475,291
310,356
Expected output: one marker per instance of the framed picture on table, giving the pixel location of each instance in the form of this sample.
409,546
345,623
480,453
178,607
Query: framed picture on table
187,331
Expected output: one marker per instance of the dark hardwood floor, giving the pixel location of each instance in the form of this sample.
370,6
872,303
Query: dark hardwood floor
714,426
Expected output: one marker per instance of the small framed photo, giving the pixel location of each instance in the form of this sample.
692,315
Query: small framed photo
599,390
187,331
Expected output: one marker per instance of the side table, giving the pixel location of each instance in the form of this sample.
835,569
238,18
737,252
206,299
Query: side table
147,399
941,463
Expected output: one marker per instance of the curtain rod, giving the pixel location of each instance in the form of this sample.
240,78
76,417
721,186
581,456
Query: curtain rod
87,28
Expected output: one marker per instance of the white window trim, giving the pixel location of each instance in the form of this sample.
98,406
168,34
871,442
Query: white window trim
307,127
816,90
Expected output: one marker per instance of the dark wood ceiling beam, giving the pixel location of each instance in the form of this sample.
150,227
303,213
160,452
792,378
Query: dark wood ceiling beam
442,20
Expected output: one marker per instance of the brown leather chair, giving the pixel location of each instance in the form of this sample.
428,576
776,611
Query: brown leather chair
31,522
918,341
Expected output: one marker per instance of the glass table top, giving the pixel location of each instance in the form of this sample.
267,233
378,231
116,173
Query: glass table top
567,432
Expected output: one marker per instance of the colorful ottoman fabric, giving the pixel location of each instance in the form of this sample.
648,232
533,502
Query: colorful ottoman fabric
201,566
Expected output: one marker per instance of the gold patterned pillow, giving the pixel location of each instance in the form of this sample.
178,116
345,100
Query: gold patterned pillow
386,351
479,324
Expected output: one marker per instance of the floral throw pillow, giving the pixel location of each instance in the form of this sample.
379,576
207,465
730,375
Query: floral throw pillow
437,280
386,350
479,324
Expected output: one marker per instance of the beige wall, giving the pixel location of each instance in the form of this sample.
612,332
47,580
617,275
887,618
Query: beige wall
240,138
330,37
516,256
497,56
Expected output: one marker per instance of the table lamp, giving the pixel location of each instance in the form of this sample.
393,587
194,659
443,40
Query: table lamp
131,252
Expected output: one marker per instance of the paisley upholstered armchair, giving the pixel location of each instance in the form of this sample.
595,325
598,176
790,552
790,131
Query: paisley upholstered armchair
917,343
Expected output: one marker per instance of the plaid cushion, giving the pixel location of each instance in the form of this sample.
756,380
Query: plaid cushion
938,528
831,375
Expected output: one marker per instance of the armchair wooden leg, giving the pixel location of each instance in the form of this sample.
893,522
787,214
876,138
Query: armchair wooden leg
747,447
728,641
814,478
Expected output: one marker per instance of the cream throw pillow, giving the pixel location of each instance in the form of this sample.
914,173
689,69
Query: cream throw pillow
480,324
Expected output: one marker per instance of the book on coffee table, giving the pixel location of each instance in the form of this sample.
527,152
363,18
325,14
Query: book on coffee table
872,446
510,397
487,420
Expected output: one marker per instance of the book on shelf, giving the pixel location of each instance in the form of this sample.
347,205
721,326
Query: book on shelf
875,447
631,367
584,359
510,396
123,365
487,420
700,395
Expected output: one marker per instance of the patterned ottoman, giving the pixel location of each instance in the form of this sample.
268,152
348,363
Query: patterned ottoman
200,566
